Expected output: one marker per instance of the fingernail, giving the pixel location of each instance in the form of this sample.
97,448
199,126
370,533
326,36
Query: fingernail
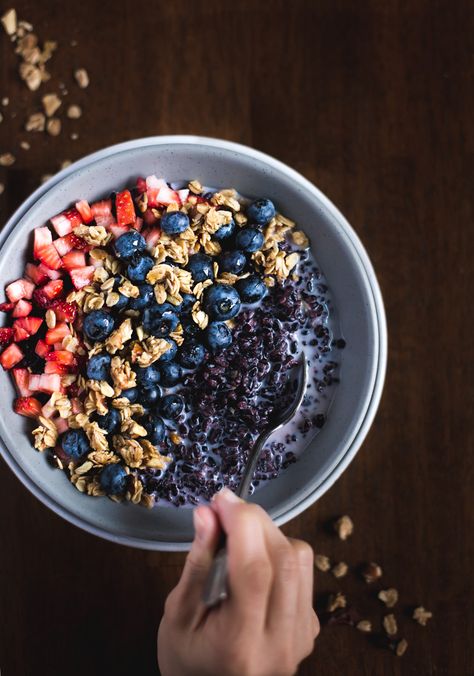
226,494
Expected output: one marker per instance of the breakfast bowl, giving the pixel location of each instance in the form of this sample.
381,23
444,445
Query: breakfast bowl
355,295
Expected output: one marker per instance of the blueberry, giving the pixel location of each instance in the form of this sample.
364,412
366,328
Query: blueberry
138,270
225,231
232,261
249,240
75,443
251,289
221,301
261,211
218,336
188,301
200,267
146,297
172,405
149,396
131,394
174,222
98,366
160,320
191,354
148,376
122,302
98,324
155,428
171,353
190,327
129,244
113,479
110,422
171,373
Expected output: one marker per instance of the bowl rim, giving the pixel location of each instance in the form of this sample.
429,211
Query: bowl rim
358,249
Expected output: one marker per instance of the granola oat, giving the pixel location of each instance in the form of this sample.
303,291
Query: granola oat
336,601
344,527
389,597
421,615
322,562
390,624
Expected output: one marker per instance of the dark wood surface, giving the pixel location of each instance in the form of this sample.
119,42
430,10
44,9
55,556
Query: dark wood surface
373,101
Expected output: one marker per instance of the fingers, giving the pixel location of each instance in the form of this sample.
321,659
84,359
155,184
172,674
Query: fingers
309,628
249,566
185,599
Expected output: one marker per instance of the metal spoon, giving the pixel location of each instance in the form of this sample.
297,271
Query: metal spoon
216,589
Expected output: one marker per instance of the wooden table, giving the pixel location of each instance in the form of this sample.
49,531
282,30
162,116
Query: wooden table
373,101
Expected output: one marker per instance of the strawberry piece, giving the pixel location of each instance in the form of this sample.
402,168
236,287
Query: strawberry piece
84,210
183,195
149,217
74,259
42,239
26,325
138,225
102,212
6,336
53,367
6,307
42,348
125,208
51,274
73,390
49,408
11,356
65,312
63,245
22,379
77,242
58,345
152,235
141,185
56,335
34,382
27,406
167,196
62,425
35,273
118,230
65,222
62,357
49,383
81,277
153,186
22,308
19,289
47,293
50,257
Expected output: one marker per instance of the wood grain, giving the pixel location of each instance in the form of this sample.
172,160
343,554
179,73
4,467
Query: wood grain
373,102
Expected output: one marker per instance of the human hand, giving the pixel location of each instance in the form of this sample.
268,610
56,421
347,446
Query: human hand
267,625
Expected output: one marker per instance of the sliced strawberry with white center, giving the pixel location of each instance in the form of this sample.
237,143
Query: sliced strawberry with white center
85,211
56,335
51,274
118,230
48,409
74,259
65,222
63,357
167,196
65,312
27,406
47,293
49,383
54,367
42,239
152,235
63,245
153,186
22,308
35,273
24,327
34,382
183,195
11,356
19,289
102,212
50,257
81,277
125,208
22,379
42,348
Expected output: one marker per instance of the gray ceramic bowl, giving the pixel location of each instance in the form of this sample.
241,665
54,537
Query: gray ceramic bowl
352,284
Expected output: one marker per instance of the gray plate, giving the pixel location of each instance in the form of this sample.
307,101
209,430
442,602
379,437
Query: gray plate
353,287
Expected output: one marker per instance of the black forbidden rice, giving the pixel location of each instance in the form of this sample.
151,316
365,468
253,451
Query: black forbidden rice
232,395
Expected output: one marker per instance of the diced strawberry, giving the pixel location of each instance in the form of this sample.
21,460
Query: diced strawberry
22,308
102,212
138,225
62,425
35,273
65,312
26,325
63,245
22,379
59,332
84,210
167,196
27,406
74,259
19,289
42,239
153,186
49,383
50,257
42,348
34,382
125,208
51,274
76,241
62,357
149,217
49,409
141,185
152,235
65,222
11,356
58,345
6,336
81,277
183,195
53,367
47,293
6,307
118,230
